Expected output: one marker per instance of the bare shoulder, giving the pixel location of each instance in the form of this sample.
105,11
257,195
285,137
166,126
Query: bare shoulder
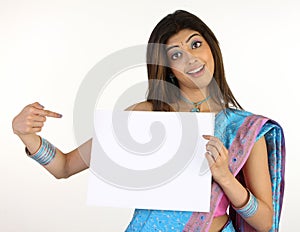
141,106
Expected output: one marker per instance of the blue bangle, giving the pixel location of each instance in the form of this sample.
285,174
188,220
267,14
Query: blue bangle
45,154
250,208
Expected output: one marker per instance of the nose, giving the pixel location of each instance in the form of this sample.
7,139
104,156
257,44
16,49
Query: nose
191,59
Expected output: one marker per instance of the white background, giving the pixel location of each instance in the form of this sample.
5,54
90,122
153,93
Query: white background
47,48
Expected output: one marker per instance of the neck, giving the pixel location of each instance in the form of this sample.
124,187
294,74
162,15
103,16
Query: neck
194,101
195,95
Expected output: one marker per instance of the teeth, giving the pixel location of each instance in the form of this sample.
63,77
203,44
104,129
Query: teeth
196,70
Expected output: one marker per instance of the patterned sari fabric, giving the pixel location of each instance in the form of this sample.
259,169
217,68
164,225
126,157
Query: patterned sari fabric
238,130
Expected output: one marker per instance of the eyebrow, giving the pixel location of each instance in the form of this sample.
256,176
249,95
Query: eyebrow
188,39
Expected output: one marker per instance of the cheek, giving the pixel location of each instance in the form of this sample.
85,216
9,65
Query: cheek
212,64
212,67
177,68
178,72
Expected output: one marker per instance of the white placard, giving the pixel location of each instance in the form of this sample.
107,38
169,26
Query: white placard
150,160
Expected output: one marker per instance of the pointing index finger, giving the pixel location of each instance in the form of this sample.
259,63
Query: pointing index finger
52,114
45,113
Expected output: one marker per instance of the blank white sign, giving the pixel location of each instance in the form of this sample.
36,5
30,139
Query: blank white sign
150,160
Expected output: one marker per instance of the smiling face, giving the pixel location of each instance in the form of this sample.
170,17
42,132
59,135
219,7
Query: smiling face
190,60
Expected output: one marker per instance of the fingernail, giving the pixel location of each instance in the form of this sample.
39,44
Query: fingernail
42,105
60,115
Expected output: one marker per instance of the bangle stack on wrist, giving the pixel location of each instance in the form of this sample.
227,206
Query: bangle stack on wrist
250,208
45,154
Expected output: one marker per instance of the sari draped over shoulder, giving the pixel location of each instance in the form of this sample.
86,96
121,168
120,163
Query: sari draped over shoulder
238,130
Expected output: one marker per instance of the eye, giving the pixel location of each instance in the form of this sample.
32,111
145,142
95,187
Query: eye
196,44
176,55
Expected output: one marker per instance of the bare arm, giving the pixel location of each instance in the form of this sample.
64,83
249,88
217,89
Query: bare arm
30,121
68,164
257,179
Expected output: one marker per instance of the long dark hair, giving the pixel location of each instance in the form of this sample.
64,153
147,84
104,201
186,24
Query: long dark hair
159,92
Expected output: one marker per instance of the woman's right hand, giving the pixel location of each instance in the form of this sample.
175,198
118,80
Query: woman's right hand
31,119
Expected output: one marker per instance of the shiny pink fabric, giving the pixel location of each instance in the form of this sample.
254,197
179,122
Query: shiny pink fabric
222,208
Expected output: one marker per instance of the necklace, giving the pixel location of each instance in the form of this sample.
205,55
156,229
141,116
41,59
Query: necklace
196,104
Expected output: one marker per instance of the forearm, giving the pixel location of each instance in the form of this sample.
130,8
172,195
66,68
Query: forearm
58,166
238,196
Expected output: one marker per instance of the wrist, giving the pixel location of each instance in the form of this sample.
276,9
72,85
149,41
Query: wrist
45,154
31,141
226,181
23,135
32,148
249,208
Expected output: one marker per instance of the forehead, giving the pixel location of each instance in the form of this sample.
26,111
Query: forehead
181,36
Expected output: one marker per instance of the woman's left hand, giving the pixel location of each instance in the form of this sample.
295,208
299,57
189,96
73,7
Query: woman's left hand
217,157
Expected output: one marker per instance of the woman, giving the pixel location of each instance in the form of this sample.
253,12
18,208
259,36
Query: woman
185,72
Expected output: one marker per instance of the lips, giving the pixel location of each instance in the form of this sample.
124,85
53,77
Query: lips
197,70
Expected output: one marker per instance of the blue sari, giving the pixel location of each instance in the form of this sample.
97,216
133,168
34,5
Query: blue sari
238,130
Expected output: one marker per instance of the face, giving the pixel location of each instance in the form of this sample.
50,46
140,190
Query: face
190,59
